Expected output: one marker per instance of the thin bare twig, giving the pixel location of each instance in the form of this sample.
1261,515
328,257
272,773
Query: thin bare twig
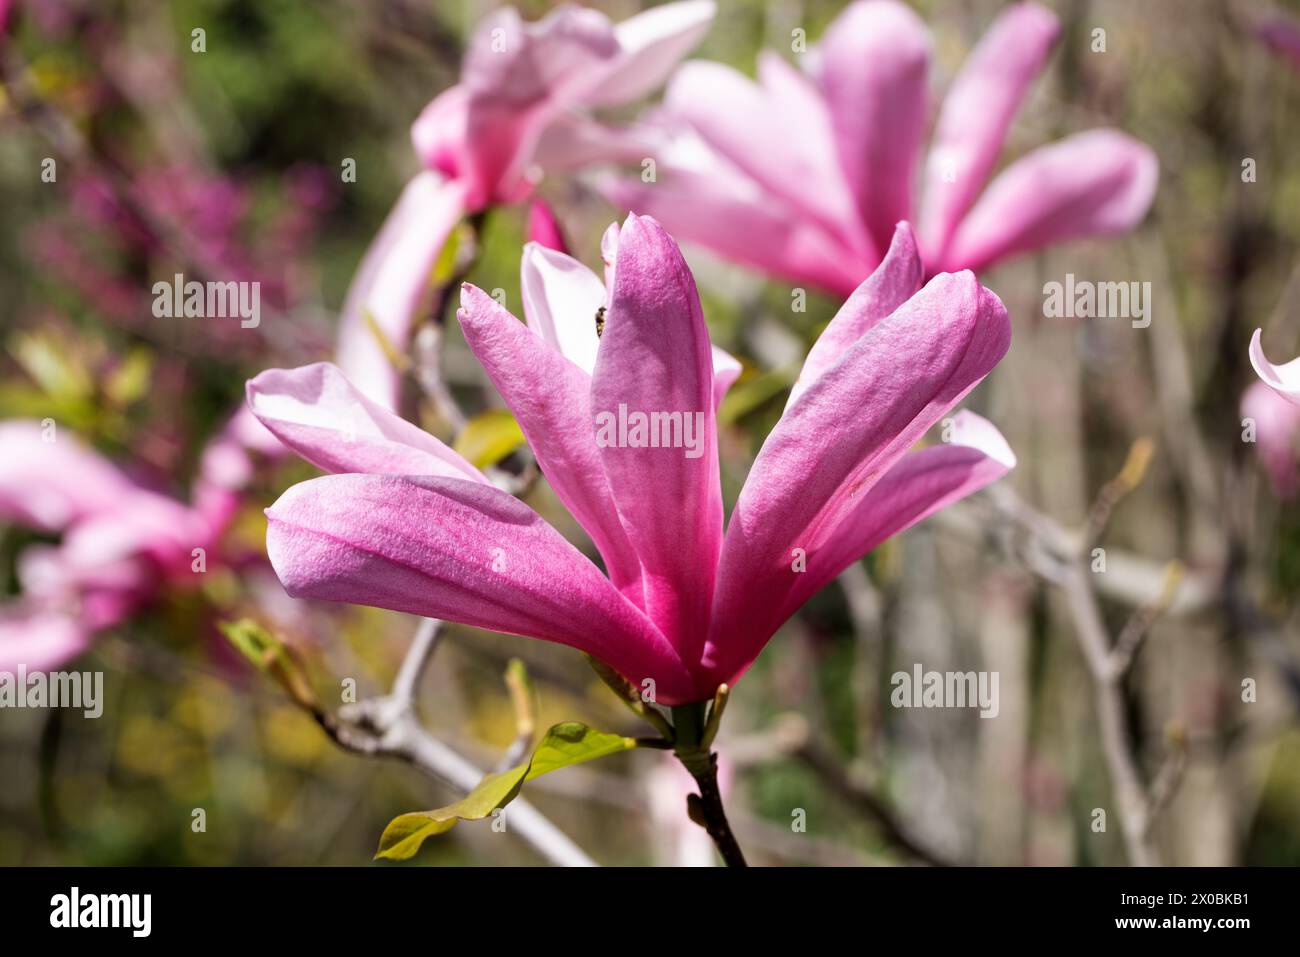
388,727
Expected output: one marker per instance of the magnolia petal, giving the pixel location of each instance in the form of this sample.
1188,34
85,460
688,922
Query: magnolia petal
1277,426
391,281
544,228
561,297
727,213
1283,379
1096,183
874,66
316,411
550,397
464,552
49,479
920,484
651,44
655,357
778,134
895,280
520,76
39,639
976,114
726,369
821,459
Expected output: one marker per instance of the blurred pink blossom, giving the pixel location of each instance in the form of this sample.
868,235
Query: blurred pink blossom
1281,34
525,86
1277,427
518,108
804,175
121,545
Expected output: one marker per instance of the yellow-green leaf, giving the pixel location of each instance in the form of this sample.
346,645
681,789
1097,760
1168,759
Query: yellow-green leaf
565,744
489,437
130,380
271,655
751,392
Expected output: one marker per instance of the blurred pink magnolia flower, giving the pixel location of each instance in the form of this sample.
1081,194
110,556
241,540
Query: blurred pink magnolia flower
1281,34
804,176
519,108
1277,426
525,88
407,524
121,544
1277,421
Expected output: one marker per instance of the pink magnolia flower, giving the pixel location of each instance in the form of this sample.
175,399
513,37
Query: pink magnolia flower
805,176
1276,412
121,544
1277,426
519,108
406,524
525,86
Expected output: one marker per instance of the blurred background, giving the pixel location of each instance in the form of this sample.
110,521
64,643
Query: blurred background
232,158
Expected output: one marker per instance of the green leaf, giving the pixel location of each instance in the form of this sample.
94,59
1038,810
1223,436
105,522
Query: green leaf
489,437
130,380
749,393
444,268
271,655
572,742
565,744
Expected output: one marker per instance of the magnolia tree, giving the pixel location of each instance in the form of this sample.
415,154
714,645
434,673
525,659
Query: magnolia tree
448,421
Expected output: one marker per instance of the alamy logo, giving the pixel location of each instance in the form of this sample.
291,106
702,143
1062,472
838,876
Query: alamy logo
55,689
134,911
946,689
208,300
1098,300
651,430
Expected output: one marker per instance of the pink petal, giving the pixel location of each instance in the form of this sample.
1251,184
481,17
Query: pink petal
392,281
977,113
315,411
843,434
920,484
655,357
226,466
895,281
726,212
544,228
726,369
875,60
1277,425
463,552
572,141
561,297
1283,379
1091,184
39,639
519,77
50,485
778,134
650,44
438,133
550,398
